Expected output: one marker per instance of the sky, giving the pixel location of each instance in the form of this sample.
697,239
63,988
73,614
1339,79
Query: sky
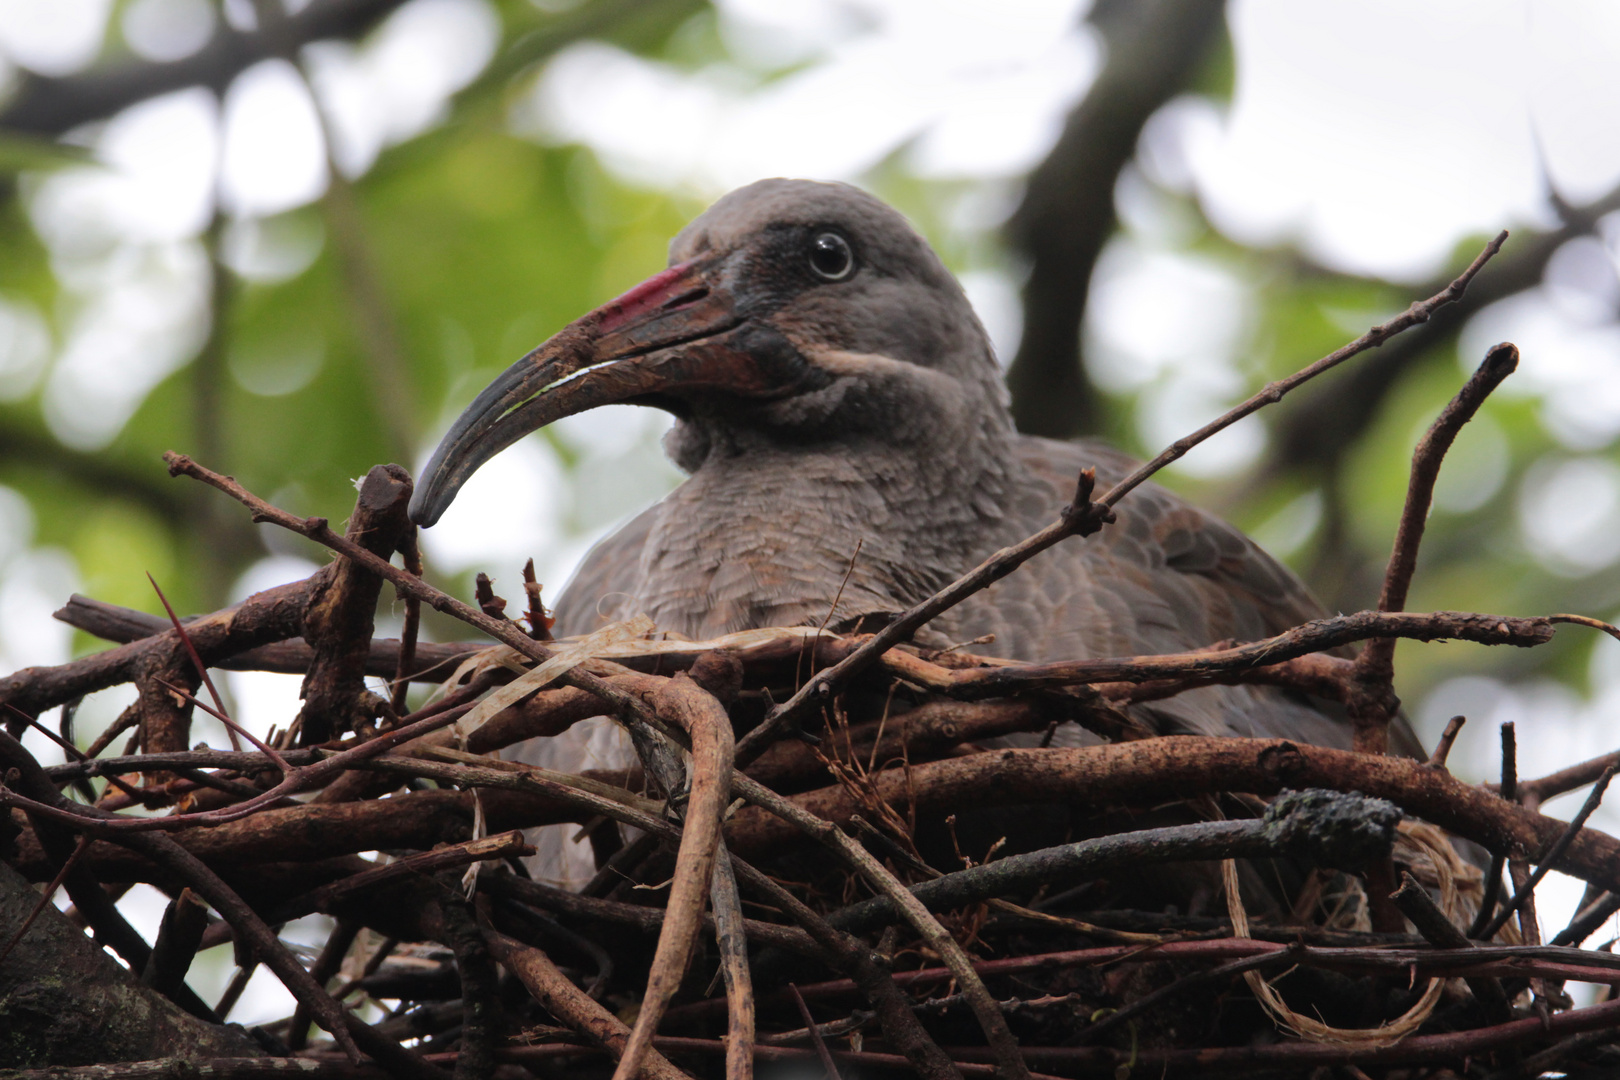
1373,135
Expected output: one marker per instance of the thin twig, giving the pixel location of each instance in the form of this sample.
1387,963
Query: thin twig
1493,875
828,1065
1438,930
317,529
50,890
1083,516
76,754
1419,312
219,714
196,660
1545,865
411,555
923,921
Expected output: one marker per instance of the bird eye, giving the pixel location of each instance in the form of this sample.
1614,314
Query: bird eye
831,258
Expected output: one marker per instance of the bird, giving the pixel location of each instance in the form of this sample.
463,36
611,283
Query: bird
845,430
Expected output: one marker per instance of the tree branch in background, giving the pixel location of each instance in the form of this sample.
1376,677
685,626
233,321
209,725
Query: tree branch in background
1067,214
48,106
1328,418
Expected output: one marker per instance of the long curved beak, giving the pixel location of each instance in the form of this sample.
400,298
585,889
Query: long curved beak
614,354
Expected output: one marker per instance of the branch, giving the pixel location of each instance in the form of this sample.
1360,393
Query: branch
1317,827
1083,516
431,660
1152,52
316,529
1149,771
1010,1063
55,106
1374,704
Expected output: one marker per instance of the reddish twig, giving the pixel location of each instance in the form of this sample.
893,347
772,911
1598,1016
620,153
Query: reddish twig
219,714
317,529
45,898
197,661
828,1066
73,751
540,623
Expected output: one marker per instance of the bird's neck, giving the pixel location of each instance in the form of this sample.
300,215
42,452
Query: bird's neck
766,533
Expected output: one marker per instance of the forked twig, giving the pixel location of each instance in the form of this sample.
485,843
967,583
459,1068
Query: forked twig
1373,705
1545,865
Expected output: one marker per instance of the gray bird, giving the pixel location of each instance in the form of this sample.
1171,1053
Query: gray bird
831,385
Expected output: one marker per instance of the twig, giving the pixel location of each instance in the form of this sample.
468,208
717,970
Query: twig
1508,790
1322,827
1586,921
326,966
76,754
484,592
423,863
1432,923
540,623
705,721
411,554
828,1066
218,714
552,989
855,959
1374,704
1314,636
1557,783
480,995
1214,976
196,660
646,919
1083,516
45,898
249,927
244,762
1419,312
730,931
1008,1059
1546,863
316,529
1153,770
1442,749
181,931
291,657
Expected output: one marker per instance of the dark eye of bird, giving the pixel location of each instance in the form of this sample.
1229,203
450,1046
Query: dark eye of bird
831,258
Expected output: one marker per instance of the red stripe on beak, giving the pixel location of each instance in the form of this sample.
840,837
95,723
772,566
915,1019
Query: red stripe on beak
651,295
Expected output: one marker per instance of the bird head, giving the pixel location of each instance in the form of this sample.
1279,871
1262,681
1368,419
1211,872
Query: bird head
796,310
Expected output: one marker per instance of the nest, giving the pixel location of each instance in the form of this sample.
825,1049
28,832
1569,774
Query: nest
841,853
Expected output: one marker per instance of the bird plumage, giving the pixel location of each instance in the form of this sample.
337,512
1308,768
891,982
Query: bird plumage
823,408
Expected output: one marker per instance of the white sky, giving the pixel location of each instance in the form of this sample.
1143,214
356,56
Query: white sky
1374,134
